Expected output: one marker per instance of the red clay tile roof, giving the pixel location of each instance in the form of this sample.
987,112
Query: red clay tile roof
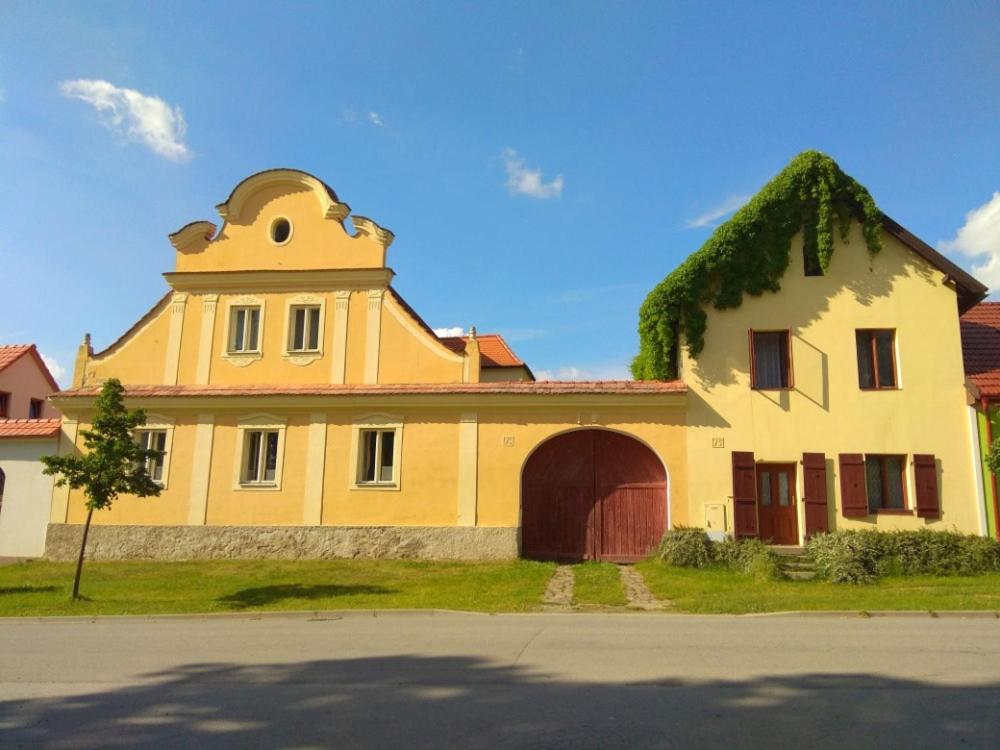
10,353
981,347
29,428
516,387
493,350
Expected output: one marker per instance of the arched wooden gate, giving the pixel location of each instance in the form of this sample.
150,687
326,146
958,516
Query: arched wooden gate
592,495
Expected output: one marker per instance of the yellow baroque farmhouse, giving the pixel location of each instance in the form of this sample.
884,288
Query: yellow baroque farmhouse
305,410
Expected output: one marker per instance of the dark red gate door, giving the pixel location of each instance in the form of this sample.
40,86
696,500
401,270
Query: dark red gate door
592,495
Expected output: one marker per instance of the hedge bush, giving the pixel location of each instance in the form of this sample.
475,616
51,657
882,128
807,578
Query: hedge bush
865,556
689,547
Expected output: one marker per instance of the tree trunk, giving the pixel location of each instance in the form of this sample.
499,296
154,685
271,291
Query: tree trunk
79,561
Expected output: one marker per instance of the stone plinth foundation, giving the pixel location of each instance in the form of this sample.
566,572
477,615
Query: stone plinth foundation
282,542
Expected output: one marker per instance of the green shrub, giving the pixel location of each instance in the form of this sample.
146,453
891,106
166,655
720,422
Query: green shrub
749,556
686,547
864,556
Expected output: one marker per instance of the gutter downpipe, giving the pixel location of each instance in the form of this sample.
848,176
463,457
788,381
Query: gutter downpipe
985,402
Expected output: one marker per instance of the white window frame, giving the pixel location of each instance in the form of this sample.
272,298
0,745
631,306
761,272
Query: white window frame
157,423
381,423
304,357
257,423
244,357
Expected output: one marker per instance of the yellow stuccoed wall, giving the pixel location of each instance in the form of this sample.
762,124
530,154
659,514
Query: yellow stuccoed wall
826,411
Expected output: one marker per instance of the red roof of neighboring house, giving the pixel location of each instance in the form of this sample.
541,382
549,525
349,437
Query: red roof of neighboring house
29,428
10,353
493,350
981,347
514,387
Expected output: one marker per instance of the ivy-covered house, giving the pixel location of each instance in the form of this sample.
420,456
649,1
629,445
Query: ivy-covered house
819,342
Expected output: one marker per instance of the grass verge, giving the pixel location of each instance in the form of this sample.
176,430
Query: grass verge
717,591
132,588
597,584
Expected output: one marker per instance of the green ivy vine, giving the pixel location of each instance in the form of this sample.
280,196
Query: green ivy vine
750,253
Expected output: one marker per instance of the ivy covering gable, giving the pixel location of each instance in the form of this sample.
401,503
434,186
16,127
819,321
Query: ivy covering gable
749,253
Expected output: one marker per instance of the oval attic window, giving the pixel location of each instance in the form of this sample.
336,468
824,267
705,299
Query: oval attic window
281,230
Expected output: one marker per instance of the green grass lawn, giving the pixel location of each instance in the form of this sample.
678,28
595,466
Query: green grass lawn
597,584
721,591
132,588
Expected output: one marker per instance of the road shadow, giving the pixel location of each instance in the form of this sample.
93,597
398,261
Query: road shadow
263,595
464,702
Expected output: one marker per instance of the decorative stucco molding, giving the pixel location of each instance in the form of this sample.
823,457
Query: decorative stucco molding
190,236
232,209
369,228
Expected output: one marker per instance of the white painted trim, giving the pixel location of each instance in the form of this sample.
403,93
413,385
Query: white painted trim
201,468
312,503
341,311
977,470
377,422
266,422
209,304
173,353
373,334
468,468
270,230
305,356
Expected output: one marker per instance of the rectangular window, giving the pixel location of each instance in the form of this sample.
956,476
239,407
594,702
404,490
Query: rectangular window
876,359
35,408
304,325
4,405
244,329
770,360
885,480
260,457
153,440
377,459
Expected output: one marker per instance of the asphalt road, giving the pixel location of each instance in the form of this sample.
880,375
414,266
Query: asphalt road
432,680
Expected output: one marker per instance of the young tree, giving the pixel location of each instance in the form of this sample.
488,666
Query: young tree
113,463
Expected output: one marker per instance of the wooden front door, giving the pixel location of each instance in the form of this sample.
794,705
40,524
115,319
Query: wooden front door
592,495
776,507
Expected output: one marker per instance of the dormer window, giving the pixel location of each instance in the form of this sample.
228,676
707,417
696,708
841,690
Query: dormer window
280,230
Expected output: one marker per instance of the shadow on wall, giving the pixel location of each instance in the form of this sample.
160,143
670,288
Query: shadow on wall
434,702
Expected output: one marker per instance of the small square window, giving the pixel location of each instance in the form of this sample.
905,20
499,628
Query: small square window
155,440
770,360
303,334
885,481
377,457
4,405
244,329
35,408
876,359
260,457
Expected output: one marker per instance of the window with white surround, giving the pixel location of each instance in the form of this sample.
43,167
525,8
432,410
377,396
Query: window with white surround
377,453
304,328
155,440
244,329
259,450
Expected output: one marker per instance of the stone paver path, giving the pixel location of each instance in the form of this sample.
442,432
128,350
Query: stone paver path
560,590
636,591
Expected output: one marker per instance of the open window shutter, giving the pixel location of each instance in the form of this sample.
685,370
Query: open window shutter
853,494
744,495
814,495
926,483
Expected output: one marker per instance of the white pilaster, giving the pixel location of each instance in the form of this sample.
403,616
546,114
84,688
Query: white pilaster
209,303
338,358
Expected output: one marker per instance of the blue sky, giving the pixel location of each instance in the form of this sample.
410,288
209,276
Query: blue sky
543,165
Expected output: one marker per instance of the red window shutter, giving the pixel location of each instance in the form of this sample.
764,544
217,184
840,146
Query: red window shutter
744,495
853,492
926,482
814,493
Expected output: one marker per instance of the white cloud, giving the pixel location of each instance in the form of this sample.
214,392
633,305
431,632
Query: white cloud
979,240
57,370
136,116
586,372
711,216
524,181
443,332
376,119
